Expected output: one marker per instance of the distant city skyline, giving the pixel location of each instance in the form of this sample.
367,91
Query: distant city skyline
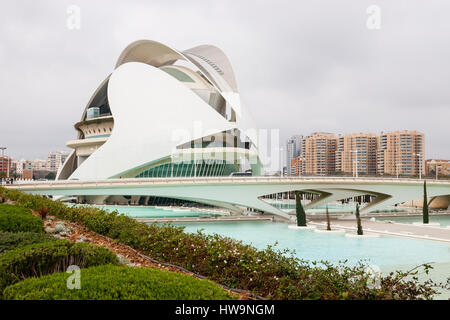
324,69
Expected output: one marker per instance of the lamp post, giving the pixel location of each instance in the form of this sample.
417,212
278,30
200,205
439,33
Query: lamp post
356,161
420,164
396,167
437,169
281,161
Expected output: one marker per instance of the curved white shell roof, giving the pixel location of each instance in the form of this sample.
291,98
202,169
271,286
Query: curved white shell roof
154,112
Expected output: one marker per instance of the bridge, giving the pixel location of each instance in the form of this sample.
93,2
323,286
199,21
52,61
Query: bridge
236,193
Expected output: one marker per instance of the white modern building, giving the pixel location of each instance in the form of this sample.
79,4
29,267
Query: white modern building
164,113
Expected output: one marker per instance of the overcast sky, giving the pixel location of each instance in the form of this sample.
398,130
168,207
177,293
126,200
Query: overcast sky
301,66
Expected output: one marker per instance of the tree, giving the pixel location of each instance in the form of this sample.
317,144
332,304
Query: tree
328,219
50,176
358,221
301,215
425,204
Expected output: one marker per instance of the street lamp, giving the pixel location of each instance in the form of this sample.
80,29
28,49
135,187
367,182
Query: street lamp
420,164
281,161
396,166
437,169
356,161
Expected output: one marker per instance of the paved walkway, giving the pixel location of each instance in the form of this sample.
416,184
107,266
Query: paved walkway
397,229
206,219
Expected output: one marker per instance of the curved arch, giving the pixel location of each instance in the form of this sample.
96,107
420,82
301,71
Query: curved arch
149,52
139,89
210,67
158,54
216,59
94,95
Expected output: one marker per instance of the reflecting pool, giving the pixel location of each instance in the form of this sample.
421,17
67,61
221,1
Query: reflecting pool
443,220
155,212
308,245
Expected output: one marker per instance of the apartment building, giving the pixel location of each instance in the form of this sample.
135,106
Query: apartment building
319,151
401,153
5,167
297,166
56,159
356,154
19,166
39,164
443,167
293,150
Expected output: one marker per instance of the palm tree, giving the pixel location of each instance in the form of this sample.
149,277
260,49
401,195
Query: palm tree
358,221
301,215
425,204
328,219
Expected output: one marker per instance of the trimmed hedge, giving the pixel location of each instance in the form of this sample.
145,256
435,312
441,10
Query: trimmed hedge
45,258
270,273
118,283
16,218
11,241
12,208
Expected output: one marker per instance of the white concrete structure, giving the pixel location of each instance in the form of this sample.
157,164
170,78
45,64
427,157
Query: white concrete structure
167,123
236,193
164,113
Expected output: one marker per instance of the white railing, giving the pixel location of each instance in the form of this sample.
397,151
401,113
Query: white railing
228,179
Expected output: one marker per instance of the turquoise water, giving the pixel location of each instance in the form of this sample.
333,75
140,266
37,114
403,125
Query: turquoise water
154,212
443,220
390,253
332,207
309,245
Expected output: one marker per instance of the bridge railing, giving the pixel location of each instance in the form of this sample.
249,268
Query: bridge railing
138,181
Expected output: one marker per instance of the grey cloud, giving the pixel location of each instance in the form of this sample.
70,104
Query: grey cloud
301,66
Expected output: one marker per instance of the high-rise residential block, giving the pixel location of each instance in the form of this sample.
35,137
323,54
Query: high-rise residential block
319,151
56,159
356,154
401,153
297,166
293,150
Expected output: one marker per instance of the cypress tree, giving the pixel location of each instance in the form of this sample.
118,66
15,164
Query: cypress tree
301,215
425,204
358,221
328,219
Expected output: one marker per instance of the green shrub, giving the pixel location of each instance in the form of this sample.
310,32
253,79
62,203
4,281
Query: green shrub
44,258
11,208
118,283
11,241
16,218
270,273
